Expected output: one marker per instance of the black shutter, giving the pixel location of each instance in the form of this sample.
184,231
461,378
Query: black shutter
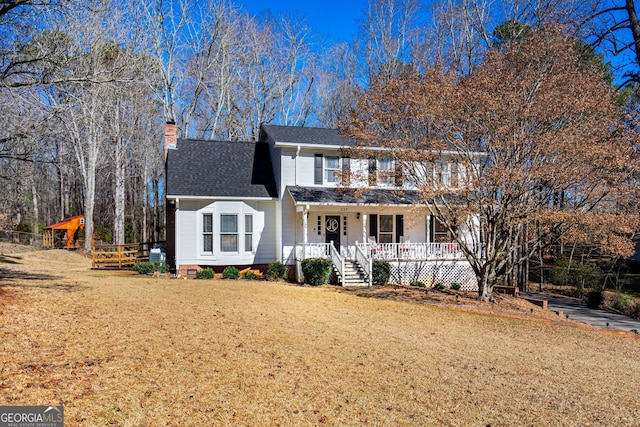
373,226
399,227
317,173
432,233
372,172
399,178
346,171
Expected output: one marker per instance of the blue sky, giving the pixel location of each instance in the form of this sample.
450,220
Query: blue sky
335,19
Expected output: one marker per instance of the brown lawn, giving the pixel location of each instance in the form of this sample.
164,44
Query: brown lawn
123,350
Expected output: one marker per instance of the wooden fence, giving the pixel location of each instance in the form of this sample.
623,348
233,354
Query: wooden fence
118,256
115,256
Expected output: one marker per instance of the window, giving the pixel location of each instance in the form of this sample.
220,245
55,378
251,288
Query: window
207,233
385,233
332,169
248,233
381,228
440,232
386,172
442,173
229,233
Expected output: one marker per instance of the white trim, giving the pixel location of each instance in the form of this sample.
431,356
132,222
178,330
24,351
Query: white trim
311,146
237,233
222,198
200,230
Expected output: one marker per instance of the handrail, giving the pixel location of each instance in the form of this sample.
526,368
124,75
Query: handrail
337,261
413,251
365,262
312,250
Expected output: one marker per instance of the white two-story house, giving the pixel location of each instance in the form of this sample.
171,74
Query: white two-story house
293,194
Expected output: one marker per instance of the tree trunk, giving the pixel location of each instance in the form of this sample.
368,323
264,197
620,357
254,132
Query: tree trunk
634,25
35,224
485,284
89,202
119,196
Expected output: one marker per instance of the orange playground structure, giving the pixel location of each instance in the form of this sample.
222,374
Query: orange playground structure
63,234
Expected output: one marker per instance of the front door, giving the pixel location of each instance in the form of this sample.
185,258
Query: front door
332,230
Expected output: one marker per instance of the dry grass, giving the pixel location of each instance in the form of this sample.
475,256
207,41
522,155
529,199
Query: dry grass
124,350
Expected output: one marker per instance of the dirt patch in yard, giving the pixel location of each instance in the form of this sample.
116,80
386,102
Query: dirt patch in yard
128,350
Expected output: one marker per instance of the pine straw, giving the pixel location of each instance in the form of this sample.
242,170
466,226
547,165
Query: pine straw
137,351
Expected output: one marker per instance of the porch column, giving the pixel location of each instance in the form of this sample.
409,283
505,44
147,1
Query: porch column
305,234
364,228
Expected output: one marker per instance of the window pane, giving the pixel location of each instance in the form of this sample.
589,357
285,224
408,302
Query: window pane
229,242
208,243
229,223
207,223
385,238
332,162
248,242
386,223
248,223
385,164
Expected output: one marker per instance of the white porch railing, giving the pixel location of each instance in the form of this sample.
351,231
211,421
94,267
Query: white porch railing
365,262
313,250
337,260
412,251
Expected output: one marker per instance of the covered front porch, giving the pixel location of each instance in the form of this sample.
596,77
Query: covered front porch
428,263
355,231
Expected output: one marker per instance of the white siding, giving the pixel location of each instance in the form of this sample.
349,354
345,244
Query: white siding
189,244
306,168
288,168
277,166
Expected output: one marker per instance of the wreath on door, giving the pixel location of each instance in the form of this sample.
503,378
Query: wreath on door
332,225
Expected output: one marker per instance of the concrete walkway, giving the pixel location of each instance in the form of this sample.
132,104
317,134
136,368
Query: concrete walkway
582,313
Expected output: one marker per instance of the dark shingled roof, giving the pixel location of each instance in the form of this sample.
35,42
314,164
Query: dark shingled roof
220,169
377,196
304,135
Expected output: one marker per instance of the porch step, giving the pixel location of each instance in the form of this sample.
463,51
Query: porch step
353,275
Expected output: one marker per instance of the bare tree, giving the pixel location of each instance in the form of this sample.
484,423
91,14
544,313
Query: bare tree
613,28
387,36
531,138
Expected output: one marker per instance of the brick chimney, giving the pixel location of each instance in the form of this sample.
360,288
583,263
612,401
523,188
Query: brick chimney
170,137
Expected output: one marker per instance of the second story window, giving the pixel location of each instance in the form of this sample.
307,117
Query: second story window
332,169
382,172
386,172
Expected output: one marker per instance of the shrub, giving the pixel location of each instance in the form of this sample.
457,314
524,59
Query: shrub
595,299
277,271
623,303
439,285
380,272
250,275
455,286
205,273
580,275
145,267
418,284
316,270
231,273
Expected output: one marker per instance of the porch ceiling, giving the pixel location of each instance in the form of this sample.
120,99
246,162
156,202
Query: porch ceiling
352,196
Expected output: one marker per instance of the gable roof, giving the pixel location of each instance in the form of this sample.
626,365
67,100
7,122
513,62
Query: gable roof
305,135
203,168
